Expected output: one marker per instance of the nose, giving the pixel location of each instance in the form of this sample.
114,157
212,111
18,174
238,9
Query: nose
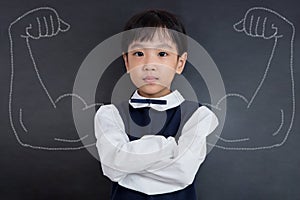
149,67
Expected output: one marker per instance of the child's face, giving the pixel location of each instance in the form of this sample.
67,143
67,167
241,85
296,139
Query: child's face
152,65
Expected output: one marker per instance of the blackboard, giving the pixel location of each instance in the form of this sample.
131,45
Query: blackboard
256,155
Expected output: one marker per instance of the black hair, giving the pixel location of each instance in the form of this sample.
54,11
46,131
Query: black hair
163,22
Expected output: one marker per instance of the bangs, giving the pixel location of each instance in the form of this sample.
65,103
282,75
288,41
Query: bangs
147,34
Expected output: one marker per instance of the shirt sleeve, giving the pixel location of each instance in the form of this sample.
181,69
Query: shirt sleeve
118,155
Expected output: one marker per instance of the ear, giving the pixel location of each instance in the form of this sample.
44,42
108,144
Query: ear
181,63
125,58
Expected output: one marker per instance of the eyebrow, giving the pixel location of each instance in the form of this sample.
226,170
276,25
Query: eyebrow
159,46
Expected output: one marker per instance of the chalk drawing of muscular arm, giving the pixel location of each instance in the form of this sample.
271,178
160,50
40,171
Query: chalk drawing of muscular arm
34,114
268,114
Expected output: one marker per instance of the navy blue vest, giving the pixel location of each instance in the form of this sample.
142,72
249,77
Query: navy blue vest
174,118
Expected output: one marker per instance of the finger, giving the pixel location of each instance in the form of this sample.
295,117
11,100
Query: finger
27,32
33,30
48,25
248,24
274,27
54,24
44,26
255,26
63,26
239,26
39,26
269,31
259,27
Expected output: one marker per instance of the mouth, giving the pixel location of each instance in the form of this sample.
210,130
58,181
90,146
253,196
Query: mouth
150,79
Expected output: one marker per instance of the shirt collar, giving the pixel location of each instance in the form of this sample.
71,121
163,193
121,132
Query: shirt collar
173,99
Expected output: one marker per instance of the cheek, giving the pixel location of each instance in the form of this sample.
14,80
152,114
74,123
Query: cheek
167,69
167,74
132,66
171,61
134,61
136,77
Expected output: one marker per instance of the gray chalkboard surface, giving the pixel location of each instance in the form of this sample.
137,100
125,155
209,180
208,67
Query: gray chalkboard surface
254,45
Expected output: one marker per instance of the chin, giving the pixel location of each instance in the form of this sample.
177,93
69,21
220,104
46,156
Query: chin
153,90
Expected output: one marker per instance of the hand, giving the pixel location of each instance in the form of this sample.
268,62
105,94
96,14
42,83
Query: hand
39,23
264,23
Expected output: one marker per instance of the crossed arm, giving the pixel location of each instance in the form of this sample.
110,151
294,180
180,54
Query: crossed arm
154,157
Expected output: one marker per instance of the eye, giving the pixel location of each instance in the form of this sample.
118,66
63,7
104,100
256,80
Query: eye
138,53
162,54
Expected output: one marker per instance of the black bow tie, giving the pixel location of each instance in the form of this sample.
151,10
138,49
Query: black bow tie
149,101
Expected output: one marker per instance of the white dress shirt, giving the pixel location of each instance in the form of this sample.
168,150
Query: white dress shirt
152,164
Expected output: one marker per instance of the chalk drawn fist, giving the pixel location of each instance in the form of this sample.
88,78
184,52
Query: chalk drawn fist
264,23
39,23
